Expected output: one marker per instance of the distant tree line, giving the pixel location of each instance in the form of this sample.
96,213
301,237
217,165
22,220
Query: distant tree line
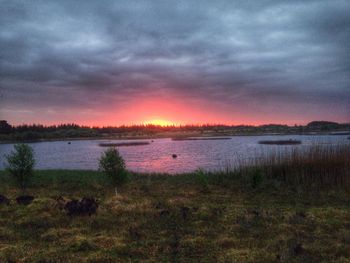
37,131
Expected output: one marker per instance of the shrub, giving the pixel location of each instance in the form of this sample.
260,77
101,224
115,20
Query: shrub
256,178
113,165
201,178
20,164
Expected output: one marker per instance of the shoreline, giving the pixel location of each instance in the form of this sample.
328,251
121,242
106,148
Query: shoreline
167,136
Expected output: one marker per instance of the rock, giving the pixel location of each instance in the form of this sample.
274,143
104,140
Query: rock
24,199
61,202
215,211
89,205
184,212
300,214
298,249
86,206
255,213
174,156
294,250
158,205
195,208
298,218
134,233
164,213
72,207
4,200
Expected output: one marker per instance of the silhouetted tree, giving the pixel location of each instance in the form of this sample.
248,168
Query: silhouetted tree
5,128
20,164
113,165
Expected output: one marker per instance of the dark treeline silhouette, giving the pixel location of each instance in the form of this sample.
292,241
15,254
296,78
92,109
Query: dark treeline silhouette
71,130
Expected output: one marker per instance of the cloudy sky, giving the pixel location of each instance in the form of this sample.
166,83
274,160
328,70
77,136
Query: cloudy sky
123,62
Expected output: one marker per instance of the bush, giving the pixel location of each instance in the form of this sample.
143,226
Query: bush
113,165
256,178
20,164
201,178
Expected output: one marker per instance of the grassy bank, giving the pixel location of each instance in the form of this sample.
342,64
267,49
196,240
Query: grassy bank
185,218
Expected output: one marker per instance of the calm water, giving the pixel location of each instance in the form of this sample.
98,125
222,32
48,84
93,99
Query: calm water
157,156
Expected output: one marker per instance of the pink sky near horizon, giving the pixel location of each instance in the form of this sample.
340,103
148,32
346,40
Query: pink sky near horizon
156,111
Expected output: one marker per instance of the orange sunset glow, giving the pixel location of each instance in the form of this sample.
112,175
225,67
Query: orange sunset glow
162,123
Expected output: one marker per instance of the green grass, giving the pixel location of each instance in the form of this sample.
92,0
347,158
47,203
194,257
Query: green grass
229,220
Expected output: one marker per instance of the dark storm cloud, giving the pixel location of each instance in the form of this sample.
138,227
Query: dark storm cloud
290,56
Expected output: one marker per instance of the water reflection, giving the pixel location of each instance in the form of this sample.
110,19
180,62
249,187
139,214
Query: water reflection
157,156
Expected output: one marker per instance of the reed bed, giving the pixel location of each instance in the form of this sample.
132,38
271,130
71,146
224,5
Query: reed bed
317,165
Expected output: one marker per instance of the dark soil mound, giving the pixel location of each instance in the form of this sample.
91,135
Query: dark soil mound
61,202
86,206
4,200
24,199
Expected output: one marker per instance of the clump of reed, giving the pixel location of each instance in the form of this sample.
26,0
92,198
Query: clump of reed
321,166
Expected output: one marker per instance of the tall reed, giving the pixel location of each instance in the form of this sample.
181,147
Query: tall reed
316,165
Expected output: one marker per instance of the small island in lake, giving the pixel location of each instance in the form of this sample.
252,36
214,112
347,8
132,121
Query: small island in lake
280,142
119,144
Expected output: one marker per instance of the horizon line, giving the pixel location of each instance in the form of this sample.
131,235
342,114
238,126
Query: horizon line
178,125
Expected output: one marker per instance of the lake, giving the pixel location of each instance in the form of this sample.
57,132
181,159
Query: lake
157,156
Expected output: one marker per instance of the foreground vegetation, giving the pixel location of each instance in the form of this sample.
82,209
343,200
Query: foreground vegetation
185,218
290,206
319,167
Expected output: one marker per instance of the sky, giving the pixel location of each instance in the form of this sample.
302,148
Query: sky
181,62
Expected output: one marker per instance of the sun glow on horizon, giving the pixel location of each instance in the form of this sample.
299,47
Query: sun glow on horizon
160,122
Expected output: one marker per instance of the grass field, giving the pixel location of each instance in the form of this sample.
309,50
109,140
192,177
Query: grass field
185,218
